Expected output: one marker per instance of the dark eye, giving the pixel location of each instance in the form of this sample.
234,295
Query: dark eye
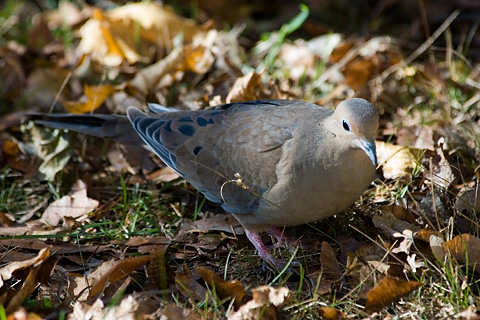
346,126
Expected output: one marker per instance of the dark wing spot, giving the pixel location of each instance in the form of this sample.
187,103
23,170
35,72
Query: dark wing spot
185,119
202,122
197,150
187,130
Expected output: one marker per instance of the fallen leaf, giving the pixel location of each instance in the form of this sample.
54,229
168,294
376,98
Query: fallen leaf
471,313
397,161
165,174
127,309
329,262
53,146
174,312
358,72
440,171
128,33
468,201
390,225
250,87
225,289
218,222
120,270
76,205
147,79
388,291
7,271
188,286
94,98
465,248
264,304
331,313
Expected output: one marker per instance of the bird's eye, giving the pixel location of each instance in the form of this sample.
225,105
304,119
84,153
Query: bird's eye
345,125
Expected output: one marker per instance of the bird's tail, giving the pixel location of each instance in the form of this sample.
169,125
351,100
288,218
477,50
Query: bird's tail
114,127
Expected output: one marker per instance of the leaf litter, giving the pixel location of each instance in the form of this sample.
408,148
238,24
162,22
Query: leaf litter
415,226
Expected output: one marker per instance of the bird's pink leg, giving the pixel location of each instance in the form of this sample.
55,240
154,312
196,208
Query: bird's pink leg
263,251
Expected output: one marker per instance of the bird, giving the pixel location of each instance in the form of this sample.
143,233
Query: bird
272,163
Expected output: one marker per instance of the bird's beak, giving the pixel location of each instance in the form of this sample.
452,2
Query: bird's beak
369,148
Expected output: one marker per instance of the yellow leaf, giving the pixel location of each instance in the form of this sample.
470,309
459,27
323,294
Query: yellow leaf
95,96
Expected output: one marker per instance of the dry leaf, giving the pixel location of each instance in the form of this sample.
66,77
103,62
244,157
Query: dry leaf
248,88
34,265
94,98
465,248
440,170
397,161
329,262
128,32
165,174
225,289
265,302
468,201
76,205
416,137
174,312
7,271
331,313
127,309
188,286
147,79
390,225
53,146
388,291
120,270
358,72
471,313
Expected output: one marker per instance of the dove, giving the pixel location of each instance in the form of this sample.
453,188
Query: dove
271,163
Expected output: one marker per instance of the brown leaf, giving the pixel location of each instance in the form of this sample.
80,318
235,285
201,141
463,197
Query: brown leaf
165,174
198,59
225,289
174,312
29,284
127,309
188,286
94,97
465,248
329,262
397,161
250,87
263,305
128,33
391,225
120,270
388,291
330,313
358,72
147,79
75,205
7,271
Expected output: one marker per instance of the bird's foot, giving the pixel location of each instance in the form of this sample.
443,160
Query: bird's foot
265,253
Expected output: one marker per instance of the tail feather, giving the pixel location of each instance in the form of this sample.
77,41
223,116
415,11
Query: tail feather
114,127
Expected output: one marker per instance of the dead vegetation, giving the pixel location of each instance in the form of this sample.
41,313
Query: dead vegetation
93,229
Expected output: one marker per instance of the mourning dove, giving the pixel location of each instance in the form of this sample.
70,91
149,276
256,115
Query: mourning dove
271,163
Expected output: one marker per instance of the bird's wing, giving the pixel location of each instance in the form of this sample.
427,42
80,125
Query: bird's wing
228,153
